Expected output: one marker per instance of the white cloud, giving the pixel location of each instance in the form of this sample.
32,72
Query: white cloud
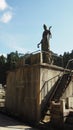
6,17
7,11
3,5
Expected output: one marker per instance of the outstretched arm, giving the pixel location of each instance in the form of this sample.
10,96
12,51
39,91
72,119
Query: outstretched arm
39,43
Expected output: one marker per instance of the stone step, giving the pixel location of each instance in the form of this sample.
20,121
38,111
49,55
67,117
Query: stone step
46,118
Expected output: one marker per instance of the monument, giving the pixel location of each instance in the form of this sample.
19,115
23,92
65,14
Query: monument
45,44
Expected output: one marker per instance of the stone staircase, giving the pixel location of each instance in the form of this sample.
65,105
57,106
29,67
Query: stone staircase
56,93
64,82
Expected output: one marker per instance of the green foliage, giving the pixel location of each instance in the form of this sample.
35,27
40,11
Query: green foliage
12,60
7,64
2,60
2,69
58,60
63,60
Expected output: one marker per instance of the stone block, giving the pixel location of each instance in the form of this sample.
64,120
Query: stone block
70,102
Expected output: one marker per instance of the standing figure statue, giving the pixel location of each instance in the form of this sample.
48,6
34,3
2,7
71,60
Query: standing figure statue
45,39
45,47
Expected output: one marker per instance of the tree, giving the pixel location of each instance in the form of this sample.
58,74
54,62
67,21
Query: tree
12,59
2,69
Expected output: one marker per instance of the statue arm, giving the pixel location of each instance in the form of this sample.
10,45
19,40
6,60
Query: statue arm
39,43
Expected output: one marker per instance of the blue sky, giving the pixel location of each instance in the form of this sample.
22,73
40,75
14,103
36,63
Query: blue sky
21,25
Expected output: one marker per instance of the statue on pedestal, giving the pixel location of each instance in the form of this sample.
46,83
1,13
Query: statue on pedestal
45,46
45,39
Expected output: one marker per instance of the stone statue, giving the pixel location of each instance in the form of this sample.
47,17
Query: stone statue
45,39
45,47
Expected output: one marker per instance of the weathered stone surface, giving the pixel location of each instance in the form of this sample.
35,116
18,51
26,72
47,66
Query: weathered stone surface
28,86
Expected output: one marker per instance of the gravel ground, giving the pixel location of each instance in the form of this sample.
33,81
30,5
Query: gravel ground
7,123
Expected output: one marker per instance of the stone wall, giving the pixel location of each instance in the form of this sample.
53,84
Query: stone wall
69,90
21,94
25,89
